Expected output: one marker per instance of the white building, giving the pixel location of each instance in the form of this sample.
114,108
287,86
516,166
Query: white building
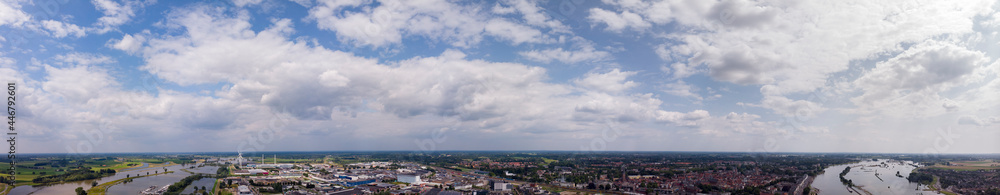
408,178
256,171
502,186
244,190
265,166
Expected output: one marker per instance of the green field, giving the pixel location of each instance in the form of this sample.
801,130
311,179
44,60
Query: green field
968,165
102,188
31,169
547,161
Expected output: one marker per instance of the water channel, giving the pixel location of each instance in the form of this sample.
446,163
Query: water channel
133,187
863,175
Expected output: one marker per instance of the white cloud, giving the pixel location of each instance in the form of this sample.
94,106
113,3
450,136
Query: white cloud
85,59
732,124
60,29
690,119
790,49
11,14
128,43
681,89
315,83
613,81
789,44
531,14
78,84
617,21
950,105
582,52
116,13
586,54
787,107
973,120
513,32
914,78
304,3
438,20
242,3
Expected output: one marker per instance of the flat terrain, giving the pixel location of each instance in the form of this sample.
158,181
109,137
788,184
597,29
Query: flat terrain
969,165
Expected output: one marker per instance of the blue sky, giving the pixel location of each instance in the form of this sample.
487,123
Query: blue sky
671,75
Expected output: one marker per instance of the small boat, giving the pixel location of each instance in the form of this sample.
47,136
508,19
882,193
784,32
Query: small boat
148,191
163,189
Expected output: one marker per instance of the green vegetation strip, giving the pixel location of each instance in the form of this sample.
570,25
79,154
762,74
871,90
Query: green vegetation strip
6,189
103,188
215,187
179,186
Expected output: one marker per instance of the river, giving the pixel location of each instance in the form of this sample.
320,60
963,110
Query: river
133,187
863,174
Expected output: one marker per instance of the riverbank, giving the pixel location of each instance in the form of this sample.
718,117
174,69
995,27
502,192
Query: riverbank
103,188
936,186
6,189
862,175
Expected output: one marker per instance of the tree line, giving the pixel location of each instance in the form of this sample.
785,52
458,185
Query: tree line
75,175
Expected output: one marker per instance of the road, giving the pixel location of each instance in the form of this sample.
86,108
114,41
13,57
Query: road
803,184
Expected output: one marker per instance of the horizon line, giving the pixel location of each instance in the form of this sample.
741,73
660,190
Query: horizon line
515,151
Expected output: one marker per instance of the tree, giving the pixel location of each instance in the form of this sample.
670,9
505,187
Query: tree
277,187
93,183
80,191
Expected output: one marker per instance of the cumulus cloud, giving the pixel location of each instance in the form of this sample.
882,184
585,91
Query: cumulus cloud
681,89
439,20
732,40
689,119
77,58
116,13
317,84
950,105
918,75
586,54
973,120
11,14
513,32
531,14
582,52
242,3
78,84
129,43
617,21
787,107
613,81
60,29
794,48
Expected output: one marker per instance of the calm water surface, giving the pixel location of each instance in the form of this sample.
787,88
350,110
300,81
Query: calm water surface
864,174
140,184
130,188
207,182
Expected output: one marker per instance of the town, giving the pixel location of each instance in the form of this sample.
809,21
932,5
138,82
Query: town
497,173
